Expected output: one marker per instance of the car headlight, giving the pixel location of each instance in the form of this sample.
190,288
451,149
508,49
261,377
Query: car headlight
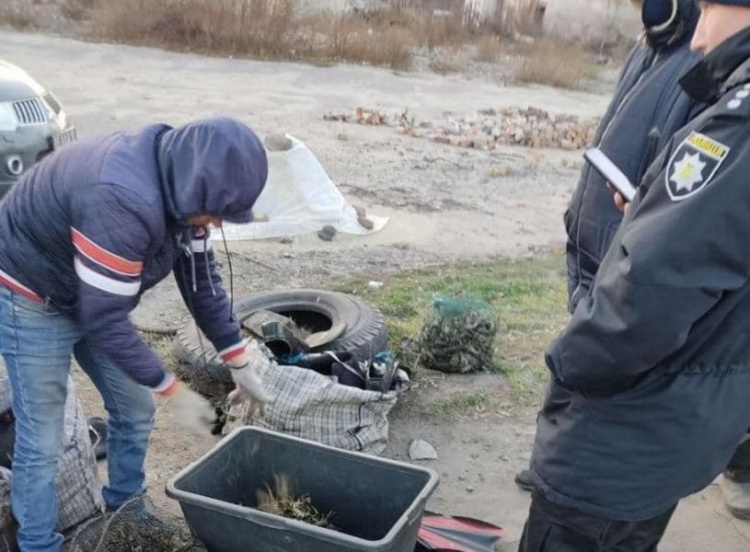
8,119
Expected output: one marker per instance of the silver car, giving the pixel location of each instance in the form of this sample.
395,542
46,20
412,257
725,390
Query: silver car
32,124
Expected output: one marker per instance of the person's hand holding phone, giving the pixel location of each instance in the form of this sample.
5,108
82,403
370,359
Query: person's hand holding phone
622,204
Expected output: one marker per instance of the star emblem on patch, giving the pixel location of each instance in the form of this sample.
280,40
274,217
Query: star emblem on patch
688,172
693,165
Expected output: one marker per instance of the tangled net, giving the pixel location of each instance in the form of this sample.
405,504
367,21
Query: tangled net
136,527
459,336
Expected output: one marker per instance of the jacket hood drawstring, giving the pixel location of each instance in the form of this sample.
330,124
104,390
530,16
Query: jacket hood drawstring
208,270
186,241
231,272
186,244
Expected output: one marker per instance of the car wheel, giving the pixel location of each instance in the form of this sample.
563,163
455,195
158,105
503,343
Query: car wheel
364,336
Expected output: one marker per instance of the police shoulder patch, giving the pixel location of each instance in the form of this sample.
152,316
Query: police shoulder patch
693,165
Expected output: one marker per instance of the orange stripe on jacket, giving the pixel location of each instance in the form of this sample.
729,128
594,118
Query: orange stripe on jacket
102,257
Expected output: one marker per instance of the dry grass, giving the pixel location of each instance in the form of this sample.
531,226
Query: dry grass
448,61
528,295
347,38
77,10
282,501
163,345
556,64
257,28
489,48
277,29
271,29
18,15
535,156
441,31
501,171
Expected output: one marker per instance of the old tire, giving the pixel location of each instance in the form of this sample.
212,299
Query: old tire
365,333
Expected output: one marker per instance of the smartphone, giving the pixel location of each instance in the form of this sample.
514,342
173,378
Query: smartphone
610,172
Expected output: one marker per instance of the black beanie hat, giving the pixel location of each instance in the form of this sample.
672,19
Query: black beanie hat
657,12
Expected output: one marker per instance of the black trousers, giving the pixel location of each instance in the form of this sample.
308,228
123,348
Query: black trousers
552,528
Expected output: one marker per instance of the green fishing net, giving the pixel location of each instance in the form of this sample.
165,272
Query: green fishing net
459,336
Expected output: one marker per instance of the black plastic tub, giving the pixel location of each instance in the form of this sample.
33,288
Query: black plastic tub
377,504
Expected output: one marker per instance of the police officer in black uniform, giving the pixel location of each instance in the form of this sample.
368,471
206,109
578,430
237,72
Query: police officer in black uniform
650,391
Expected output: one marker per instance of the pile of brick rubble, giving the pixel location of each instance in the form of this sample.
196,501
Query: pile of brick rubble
486,130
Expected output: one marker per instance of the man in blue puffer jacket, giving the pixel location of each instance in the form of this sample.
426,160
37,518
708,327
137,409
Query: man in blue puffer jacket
649,379
648,108
84,234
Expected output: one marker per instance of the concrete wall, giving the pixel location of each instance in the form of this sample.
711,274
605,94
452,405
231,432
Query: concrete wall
588,20
306,7
591,20
514,14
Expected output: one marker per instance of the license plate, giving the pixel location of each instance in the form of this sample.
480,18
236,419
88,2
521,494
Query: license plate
64,138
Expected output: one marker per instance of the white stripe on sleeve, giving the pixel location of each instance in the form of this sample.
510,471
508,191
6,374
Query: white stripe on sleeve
104,283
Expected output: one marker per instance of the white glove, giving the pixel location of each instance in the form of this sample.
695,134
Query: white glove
244,369
189,409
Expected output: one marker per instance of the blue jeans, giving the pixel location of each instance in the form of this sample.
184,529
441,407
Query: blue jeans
37,341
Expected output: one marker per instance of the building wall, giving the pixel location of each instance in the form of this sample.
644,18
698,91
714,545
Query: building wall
515,14
592,20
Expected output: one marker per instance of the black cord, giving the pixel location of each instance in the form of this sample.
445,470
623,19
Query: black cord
191,308
231,274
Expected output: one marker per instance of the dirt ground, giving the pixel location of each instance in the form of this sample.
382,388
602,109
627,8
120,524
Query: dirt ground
445,207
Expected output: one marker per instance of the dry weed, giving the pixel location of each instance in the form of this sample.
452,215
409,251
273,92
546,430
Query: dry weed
427,29
447,61
350,38
282,501
270,29
535,156
260,28
18,15
555,64
442,31
77,10
489,48
256,28
501,171
275,29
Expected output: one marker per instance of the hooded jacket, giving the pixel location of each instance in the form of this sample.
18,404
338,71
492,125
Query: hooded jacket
91,228
650,379
647,109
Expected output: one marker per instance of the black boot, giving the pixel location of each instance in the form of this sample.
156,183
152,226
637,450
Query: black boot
523,480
